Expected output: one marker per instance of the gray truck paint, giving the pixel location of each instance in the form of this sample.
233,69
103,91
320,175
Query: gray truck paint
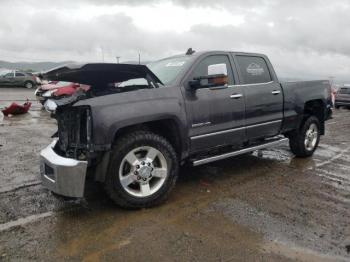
206,118
275,115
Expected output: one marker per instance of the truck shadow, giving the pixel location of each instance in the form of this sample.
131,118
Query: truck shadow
194,180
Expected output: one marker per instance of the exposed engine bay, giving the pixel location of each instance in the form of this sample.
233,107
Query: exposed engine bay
104,79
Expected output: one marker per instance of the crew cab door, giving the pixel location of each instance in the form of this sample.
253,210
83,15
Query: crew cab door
263,96
215,114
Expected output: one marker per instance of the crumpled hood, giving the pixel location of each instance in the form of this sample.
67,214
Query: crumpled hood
100,74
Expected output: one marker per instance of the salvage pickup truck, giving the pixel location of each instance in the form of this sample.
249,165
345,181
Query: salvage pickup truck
138,124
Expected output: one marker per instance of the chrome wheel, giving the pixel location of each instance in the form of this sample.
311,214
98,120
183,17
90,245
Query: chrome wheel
143,171
311,137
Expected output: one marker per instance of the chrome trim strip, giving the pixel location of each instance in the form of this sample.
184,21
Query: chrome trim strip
234,129
201,124
257,84
236,153
264,124
217,133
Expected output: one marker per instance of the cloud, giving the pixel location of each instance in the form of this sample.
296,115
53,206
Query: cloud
303,38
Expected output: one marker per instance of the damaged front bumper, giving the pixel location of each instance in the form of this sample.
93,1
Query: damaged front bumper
63,176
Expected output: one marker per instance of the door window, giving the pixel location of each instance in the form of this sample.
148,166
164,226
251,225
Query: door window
253,69
9,75
19,74
211,63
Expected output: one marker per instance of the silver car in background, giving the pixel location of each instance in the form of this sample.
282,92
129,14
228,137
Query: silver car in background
20,79
343,97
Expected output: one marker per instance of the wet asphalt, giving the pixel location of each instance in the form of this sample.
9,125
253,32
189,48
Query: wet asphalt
267,206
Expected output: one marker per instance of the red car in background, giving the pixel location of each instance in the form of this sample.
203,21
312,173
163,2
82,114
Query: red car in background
58,89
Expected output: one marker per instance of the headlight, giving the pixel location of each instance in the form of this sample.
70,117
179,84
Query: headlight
50,106
49,93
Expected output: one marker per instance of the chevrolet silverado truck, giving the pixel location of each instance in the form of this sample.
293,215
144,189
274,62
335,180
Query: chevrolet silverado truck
138,124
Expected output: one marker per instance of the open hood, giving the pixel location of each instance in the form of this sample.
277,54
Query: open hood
100,74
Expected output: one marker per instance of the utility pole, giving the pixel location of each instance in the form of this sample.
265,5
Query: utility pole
139,58
117,59
103,54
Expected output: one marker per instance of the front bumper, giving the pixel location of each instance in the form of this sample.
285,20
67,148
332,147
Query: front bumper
63,176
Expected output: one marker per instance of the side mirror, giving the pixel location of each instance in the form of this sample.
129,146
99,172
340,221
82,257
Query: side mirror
217,76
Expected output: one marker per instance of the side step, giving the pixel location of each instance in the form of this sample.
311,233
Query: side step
239,152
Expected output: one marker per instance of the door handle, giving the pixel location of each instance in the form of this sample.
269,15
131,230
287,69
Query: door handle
236,96
275,92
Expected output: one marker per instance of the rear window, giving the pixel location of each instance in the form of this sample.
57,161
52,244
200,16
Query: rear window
344,91
253,69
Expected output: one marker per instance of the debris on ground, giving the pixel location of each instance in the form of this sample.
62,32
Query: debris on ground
16,109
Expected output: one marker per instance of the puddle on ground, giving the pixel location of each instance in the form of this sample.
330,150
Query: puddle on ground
32,117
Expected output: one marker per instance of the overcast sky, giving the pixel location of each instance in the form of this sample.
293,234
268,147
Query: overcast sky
306,39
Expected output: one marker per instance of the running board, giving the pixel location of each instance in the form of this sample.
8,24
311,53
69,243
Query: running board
238,152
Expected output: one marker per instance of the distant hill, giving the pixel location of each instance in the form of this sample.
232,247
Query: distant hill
33,66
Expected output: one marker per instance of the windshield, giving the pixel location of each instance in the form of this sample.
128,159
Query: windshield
168,69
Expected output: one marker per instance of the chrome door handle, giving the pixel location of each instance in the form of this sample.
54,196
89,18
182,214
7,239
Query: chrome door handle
275,92
236,96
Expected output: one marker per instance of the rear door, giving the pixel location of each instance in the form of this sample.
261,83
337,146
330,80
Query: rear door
19,79
216,115
263,96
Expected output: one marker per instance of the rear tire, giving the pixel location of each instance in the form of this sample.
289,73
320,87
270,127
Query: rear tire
143,169
28,84
303,142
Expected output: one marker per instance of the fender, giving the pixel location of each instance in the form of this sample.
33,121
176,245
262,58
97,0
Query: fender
113,112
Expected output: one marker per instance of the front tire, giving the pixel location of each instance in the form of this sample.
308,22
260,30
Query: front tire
143,170
303,142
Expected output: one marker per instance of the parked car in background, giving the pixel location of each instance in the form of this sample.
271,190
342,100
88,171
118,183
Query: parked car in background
343,97
58,89
20,79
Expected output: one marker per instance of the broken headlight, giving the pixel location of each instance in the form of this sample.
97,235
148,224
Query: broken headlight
74,131
50,105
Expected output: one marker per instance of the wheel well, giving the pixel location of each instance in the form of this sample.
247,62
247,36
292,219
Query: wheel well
316,108
167,128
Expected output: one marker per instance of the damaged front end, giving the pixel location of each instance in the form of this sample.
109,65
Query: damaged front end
65,162
74,132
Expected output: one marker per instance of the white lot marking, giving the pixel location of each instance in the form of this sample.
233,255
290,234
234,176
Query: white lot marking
333,164
24,221
337,156
331,123
7,189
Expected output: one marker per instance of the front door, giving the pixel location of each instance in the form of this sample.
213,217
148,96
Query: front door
263,97
8,79
216,115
